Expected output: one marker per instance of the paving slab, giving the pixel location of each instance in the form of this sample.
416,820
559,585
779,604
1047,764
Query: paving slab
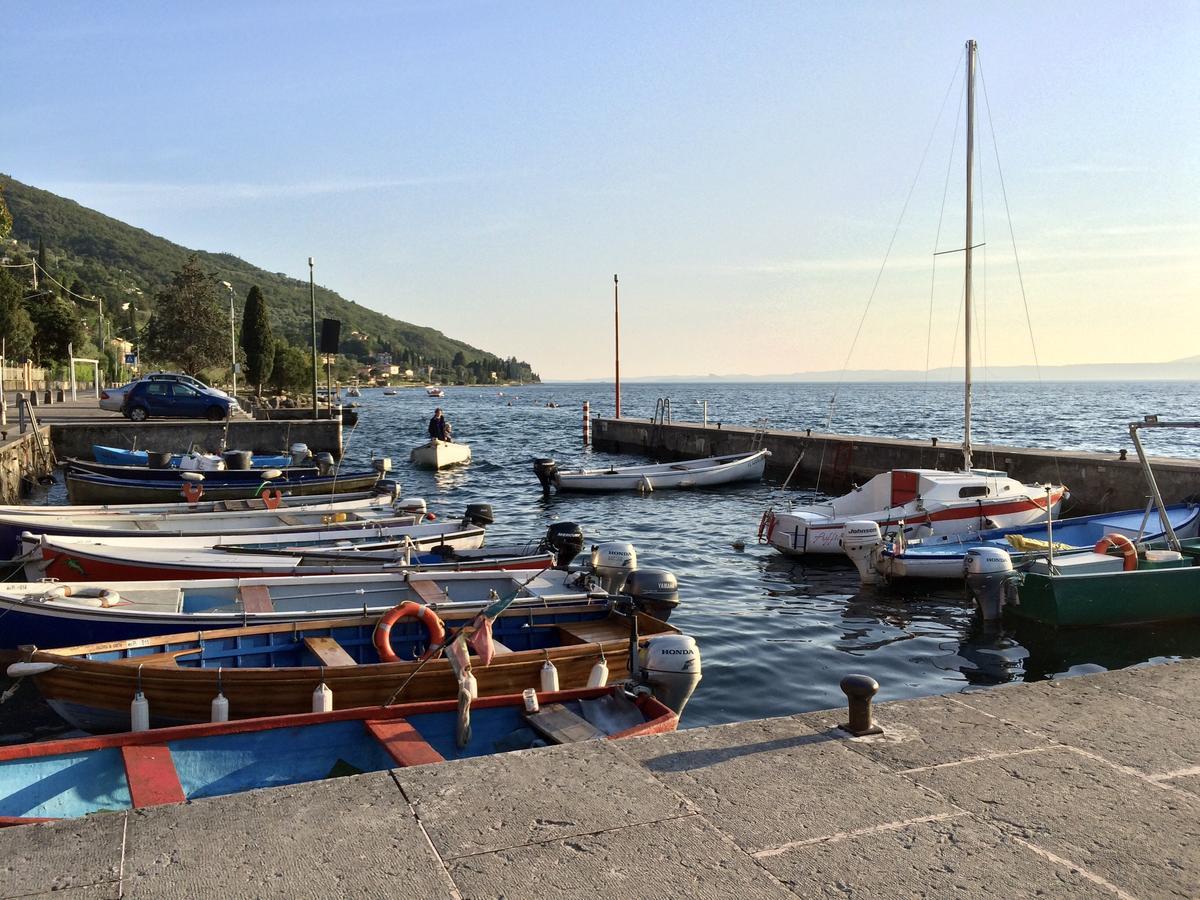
929,732
109,890
955,857
1189,783
351,836
1143,838
1174,685
685,857
773,781
1088,713
496,802
59,856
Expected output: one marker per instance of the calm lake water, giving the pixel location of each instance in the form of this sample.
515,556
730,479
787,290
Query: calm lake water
777,635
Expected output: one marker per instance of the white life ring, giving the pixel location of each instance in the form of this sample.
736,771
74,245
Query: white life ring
105,596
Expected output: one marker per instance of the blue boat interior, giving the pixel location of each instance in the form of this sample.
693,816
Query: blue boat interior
76,784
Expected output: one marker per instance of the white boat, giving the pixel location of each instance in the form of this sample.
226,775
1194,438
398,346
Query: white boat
434,391
353,391
922,502
439,454
390,393
691,473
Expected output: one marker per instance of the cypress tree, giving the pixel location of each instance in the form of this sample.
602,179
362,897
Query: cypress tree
257,340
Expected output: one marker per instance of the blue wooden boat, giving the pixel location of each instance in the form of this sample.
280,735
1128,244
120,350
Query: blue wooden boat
115,456
77,777
142,473
942,556
88,488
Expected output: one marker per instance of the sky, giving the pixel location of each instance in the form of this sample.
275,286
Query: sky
485,168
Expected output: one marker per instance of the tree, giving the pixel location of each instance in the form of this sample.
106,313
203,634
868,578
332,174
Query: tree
15,324
41,260
56,326
460,360
257,340
293,368
188,327
5,218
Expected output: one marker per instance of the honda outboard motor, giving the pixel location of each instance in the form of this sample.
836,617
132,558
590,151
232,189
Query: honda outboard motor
612,562
670,667
546,471
389,487
654,591
478,514
992,581
566,540
325,464
861,541
300,453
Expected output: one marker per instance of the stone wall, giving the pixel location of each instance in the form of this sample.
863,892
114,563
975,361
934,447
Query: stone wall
76,438
20,459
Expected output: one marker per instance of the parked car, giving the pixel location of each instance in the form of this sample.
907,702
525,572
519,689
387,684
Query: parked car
113,398
157,397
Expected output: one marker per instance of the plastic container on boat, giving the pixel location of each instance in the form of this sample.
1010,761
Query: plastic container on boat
237,459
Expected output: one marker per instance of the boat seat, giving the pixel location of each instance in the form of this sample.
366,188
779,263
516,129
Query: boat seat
158,660
292,519
1079,564
150,771
329,652
403,742
256,598
680,467
428,591
596,632
236,505
559,725
146,526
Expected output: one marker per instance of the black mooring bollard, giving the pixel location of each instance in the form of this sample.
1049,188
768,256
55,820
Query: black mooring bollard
859,689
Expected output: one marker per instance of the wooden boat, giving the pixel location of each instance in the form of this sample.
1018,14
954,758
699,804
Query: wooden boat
693,473
79,776
943,556
439,454
176,475
86,612
272,670
216,522
84,488
116,456
147,557
182,507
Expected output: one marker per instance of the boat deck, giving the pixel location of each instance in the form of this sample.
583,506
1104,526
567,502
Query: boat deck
1083,787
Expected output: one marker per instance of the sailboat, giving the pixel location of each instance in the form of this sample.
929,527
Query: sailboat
922,503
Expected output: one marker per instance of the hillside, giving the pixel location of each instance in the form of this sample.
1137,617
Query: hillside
122,263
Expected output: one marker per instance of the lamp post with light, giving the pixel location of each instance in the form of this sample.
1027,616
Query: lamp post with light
232,341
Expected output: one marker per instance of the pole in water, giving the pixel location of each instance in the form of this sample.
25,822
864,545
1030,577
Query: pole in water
617,342
587,423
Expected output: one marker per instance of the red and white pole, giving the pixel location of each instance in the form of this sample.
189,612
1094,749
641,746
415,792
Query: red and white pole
587,423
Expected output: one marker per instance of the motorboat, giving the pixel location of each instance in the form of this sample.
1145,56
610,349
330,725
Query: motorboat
116,456
923,502
434,390
353,391
87,488
134,769
439,454
693,473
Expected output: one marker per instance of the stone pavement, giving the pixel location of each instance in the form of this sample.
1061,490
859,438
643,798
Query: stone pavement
1084,787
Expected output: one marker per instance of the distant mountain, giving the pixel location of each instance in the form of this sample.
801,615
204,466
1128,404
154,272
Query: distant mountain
122,263
1187,369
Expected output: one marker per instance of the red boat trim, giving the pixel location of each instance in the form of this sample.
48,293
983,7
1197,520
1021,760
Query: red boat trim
403,742
964,512
9,821
153,780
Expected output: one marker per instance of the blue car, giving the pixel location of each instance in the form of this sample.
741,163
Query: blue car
173,399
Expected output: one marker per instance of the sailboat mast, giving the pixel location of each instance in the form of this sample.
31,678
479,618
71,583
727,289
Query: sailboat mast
967,258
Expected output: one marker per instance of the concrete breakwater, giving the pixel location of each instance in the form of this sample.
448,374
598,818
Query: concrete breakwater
76,438
835,462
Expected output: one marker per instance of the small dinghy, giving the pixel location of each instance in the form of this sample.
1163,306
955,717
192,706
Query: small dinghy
434,391
115,456
692,473
439,454
79,776
87,488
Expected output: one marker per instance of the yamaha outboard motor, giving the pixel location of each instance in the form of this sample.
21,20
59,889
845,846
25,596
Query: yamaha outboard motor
546,471
479,514
654,591
566,540
325,463
992,581
411,506
670,667
612,562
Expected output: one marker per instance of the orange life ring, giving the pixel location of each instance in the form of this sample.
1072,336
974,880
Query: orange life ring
192,491
1126,546
272,497
408,609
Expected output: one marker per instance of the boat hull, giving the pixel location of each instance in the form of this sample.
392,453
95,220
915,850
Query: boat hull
115,456
440,454
686,475
1110,598
96,489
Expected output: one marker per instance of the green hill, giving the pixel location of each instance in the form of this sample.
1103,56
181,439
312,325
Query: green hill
94,254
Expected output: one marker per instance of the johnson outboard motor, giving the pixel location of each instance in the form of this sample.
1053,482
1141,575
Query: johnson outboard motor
566,540
612,562
478,514
653,591
546,471
992,580
325,464
669,665
861,541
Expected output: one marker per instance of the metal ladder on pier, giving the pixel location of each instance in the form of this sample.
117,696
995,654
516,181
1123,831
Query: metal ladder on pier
662,411
760,433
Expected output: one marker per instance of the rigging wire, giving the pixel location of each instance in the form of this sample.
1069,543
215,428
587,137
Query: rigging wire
938,237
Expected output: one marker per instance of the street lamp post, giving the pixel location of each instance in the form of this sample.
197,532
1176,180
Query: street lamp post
312,296
232,341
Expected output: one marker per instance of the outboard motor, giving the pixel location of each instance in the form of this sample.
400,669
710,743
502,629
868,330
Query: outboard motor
993,583
381,464
546,471
861,541
388,487
411,506
566,540
670,667
479,514
612,562
300,453
325,463
654,591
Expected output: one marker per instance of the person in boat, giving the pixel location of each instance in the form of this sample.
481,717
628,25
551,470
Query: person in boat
439,428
